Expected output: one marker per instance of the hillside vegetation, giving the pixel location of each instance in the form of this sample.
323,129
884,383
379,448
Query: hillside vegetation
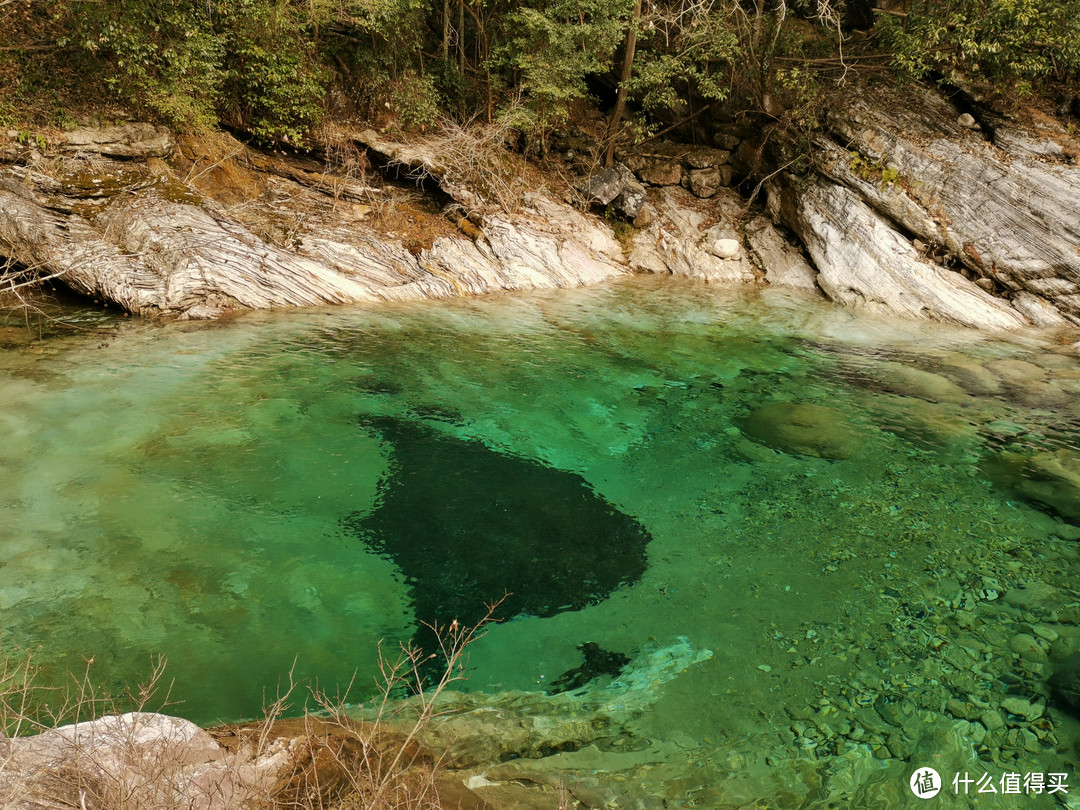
277,69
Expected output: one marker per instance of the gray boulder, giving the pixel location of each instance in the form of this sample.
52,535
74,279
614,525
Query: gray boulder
127,141
703,157
619,186
705,183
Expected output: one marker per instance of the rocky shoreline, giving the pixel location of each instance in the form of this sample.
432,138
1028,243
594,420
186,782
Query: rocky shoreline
909,212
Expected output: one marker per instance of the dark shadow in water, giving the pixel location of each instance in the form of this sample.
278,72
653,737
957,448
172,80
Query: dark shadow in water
466,524
598,662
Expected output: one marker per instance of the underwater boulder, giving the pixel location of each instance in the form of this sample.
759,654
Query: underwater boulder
803,429
905,380
466,524
1065,683
1050,481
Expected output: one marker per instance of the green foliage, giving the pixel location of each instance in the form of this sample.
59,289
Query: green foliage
191,63
684,51
1015,40
273,67
874,171
620,228
166,56
415,100
273,77
555,45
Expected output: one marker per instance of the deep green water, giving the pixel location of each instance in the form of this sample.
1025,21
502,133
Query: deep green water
296,487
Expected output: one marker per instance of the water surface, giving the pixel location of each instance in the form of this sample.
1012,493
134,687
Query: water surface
826,501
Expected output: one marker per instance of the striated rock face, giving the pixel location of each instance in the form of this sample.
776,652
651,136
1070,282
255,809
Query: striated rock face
864,262
783,264
156,243
910,213
682,239
903,182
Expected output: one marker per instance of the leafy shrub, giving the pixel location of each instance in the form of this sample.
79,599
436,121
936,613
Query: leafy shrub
553,46
415,100
1015,40
166,56
274,81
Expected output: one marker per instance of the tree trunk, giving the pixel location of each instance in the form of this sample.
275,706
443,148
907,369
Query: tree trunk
624,76
444,51
461,35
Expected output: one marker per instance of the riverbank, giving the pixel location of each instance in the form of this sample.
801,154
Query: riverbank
908,210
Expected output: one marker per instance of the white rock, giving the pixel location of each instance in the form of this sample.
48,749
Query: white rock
147,760
967,121
864,263
724,248
1003,209
782,262
1038,310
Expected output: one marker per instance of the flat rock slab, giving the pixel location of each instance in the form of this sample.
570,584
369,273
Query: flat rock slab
804,429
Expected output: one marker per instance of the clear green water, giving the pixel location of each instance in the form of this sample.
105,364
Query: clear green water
201,491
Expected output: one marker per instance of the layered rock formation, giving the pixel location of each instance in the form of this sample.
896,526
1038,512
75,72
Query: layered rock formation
912,210
119,224
917,212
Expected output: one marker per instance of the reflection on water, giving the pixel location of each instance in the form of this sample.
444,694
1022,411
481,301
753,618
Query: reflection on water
869,524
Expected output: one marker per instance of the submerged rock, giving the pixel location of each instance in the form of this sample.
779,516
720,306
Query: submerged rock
926,425
1048,480
467,525
905,380
598,662
971,375
804,429
479,728
1066,683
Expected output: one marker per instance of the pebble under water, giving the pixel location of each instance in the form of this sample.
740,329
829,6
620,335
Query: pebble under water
868,528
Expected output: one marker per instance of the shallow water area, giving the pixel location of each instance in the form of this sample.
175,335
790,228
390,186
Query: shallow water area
855,518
